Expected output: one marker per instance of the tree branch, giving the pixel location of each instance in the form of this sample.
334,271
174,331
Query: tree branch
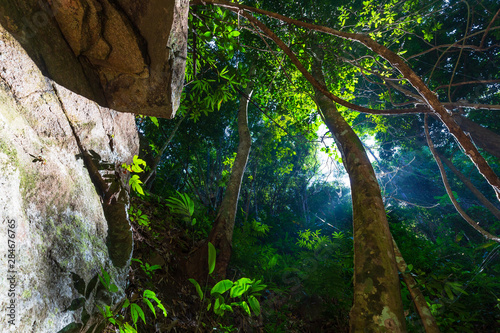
396,61
459,209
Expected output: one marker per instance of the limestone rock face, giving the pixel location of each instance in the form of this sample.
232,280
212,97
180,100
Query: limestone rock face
131,53
63,202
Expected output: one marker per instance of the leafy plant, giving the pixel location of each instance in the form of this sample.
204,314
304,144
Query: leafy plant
184,206
137,167
136,215
106,281
136,311
147,268
226,294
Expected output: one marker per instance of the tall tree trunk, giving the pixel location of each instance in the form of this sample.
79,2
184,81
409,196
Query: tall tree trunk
221,235
378,306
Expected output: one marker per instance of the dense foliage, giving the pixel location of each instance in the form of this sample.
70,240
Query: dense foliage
293,226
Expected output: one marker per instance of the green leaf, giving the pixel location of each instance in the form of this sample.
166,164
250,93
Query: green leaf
198,288
150,305
211,258
155,121
113,288
254,304
234,33
159,305
207,34
126,304
128,329
149,294
136,311
240,287
104,278
221,287
136,164
226,307
243,305
154,267
217,309
448,291
135,183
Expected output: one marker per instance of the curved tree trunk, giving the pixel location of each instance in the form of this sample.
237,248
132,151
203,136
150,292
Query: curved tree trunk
221,235
377,298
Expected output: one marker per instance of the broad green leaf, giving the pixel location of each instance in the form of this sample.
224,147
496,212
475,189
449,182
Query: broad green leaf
134,312
150,305
136,164
254,304
243,281
485,245
243,305
221,287
217,309
140,312
239,289
198,288
104,278
211,258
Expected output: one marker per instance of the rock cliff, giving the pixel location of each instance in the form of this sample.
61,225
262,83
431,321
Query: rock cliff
128,55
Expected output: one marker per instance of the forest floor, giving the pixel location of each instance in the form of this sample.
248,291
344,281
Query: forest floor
160,239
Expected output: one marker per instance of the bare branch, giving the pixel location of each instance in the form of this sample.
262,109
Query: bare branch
459,209
488,28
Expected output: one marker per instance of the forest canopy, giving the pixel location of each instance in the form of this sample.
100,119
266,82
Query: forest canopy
343,153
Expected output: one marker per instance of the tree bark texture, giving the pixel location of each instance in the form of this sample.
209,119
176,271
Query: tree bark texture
482,137
221,235
377,304
418,298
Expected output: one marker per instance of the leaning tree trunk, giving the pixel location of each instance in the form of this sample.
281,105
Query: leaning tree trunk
428,321
221,235
377,298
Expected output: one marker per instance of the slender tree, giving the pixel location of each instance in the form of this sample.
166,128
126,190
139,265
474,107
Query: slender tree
377,298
